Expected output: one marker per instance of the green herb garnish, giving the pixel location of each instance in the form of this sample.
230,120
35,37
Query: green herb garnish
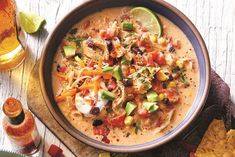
77,40
183,77
137,127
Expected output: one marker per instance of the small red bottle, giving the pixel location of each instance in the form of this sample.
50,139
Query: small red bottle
20,127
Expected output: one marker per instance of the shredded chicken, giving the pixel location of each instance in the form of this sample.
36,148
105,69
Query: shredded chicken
120,99
166,121
101,49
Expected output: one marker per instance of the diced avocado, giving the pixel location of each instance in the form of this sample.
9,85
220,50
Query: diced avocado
152,96
108,69
153,108
117,73
127,26
130,106
69,51
150,106
147,105
107,95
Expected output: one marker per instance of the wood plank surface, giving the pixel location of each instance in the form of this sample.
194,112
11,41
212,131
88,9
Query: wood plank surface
214,19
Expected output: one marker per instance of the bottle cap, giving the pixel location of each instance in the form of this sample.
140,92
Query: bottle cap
12,107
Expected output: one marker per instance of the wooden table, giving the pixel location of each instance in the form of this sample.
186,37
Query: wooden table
214,19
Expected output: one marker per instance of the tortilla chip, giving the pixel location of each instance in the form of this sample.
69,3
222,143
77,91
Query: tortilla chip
231,139
216,142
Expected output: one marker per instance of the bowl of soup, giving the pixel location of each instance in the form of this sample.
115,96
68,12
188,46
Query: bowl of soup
125,76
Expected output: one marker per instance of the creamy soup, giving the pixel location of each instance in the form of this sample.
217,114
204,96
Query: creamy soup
119,83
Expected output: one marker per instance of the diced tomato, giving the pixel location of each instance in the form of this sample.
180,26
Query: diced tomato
144,29
55,151
129,90
169,92
110,61
145,42
107,34
101,130
158,57
117,121
61,69
157,86
150,61
111,85
143,113
105,139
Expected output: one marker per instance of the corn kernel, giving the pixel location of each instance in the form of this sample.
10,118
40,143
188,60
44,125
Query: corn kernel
162,76
161,97
71,67
172,84
180,63
162,41
73,44
80,62
129,120
104,155
132,70
153,38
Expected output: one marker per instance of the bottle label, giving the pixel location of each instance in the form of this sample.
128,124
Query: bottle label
27,144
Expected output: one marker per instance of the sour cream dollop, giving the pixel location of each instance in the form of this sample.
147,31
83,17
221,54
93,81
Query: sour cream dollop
83,104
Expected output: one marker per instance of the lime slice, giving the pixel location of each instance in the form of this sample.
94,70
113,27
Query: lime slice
30,22
148,19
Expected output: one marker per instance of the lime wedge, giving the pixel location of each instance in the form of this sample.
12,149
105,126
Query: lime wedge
30,22
148,19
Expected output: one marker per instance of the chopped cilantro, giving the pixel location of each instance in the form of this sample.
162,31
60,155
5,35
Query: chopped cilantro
137,127
77,40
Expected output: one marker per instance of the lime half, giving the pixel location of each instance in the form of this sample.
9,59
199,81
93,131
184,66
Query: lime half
148,19
30,22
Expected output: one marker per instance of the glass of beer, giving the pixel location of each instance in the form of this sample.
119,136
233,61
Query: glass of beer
11,51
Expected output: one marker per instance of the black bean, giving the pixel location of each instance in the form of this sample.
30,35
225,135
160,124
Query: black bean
115,61
97,122
164,85
90,43
166,101
109,45
127,82
136,50
58,68
170,48
95,110
170,78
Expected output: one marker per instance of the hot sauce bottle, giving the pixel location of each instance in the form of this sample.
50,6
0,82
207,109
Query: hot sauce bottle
20,127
